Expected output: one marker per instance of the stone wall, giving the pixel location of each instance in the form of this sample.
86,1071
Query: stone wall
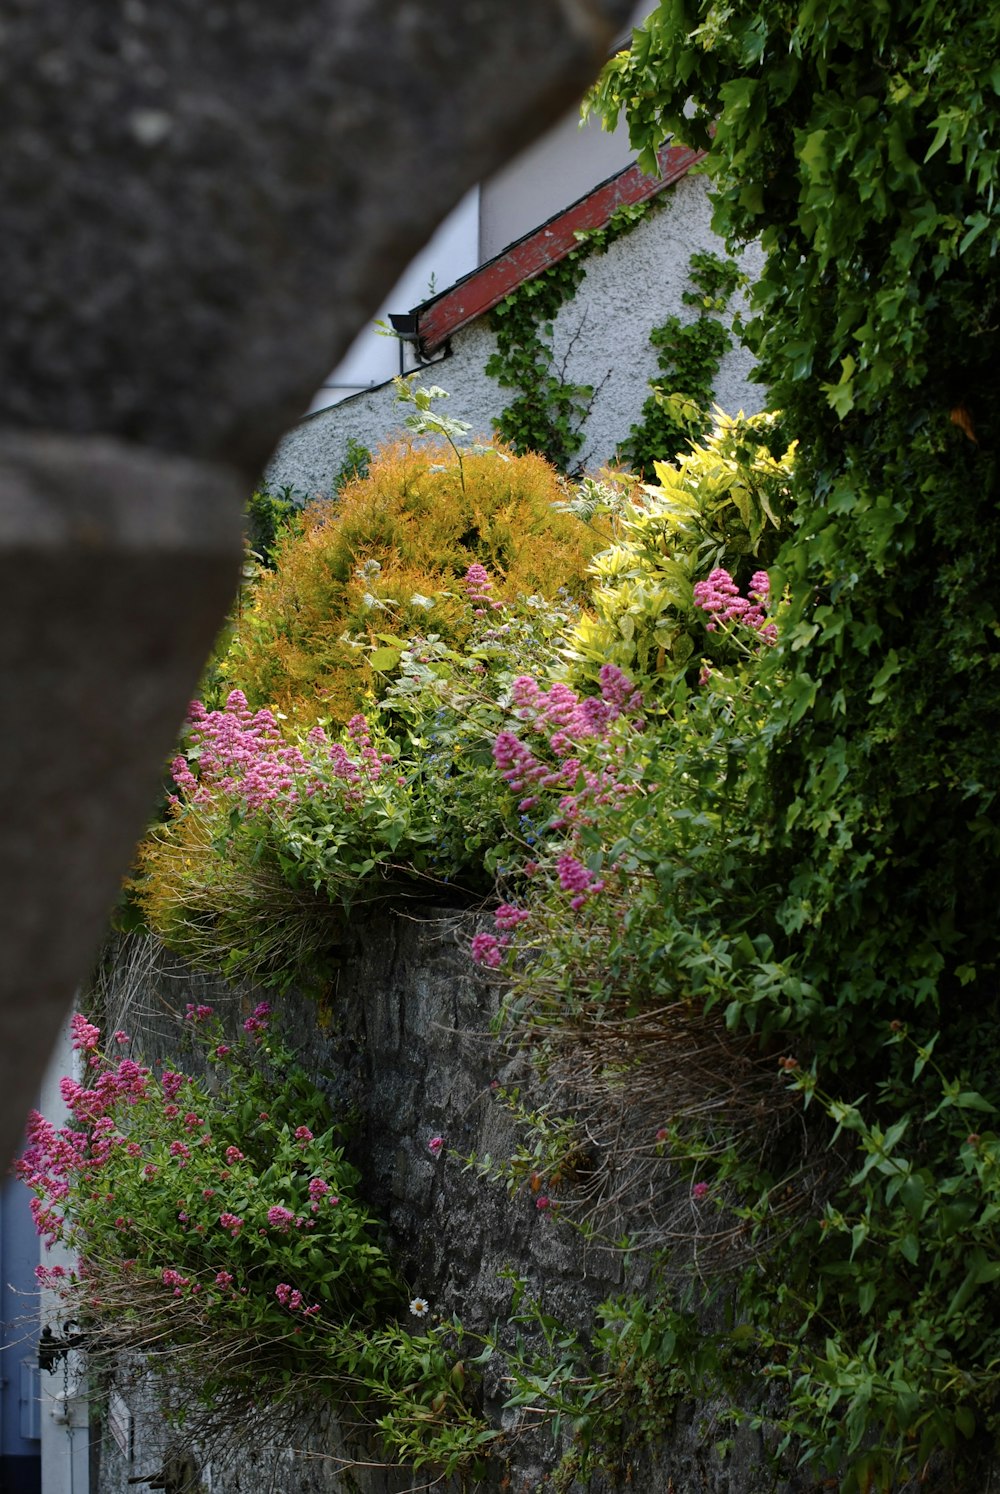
408,1044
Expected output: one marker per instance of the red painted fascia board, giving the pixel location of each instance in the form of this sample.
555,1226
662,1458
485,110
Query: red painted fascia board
485,287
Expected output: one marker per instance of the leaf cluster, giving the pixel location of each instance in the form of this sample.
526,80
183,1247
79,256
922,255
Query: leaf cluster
676,414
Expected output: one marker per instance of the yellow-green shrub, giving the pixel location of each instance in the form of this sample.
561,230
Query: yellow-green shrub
721,505
387,560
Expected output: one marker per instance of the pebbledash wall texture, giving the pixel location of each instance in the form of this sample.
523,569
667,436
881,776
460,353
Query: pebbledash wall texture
600,337
408,1046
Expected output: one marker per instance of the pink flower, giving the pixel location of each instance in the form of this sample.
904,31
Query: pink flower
543,1201
318,1189
85,1035
122,1037
478,585
303,1134
700,1191
233,1155
435,1145
232,1222
507,917
280,1218
486,950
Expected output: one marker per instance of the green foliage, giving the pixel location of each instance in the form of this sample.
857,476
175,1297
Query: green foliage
801,849
860,143
904,1263
357,460
405,804
269,515
549,411
614,1391
676,413
721,505
220,1234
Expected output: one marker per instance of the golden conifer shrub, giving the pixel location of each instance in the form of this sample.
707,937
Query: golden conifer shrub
386,560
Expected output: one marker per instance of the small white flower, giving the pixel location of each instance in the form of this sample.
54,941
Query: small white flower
419,1307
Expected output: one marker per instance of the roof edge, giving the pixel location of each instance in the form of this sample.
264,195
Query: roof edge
482,289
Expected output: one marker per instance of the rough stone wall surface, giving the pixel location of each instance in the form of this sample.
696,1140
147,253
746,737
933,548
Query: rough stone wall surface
601,337
409,1046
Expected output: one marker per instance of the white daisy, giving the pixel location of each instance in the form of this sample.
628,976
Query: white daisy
419,1307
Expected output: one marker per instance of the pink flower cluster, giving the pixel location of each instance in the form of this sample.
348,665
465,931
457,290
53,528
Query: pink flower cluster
257,1023
84,1035
62,1164
720,597
318,1190
478,587
575,878
566,720
171,1083
487,950
240,752
508,917
292,1298
282,1219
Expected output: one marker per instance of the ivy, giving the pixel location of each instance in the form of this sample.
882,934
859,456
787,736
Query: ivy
860,144
548,412
676,413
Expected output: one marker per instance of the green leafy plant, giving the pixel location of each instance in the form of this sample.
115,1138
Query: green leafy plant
272,842
721,505
220,1235
612,1391
676,413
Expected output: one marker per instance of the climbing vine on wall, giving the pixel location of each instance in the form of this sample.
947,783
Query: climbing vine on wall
548,411
689,353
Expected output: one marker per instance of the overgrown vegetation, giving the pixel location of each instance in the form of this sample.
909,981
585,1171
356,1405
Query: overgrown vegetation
743,812
219,1217
860,143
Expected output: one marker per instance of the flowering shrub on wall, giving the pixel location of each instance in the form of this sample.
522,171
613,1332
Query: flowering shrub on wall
216,1218
272,840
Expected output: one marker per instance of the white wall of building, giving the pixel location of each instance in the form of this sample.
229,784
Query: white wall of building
601,336
65,1409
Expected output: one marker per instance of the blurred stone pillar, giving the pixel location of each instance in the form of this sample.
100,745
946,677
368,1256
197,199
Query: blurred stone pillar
202,202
